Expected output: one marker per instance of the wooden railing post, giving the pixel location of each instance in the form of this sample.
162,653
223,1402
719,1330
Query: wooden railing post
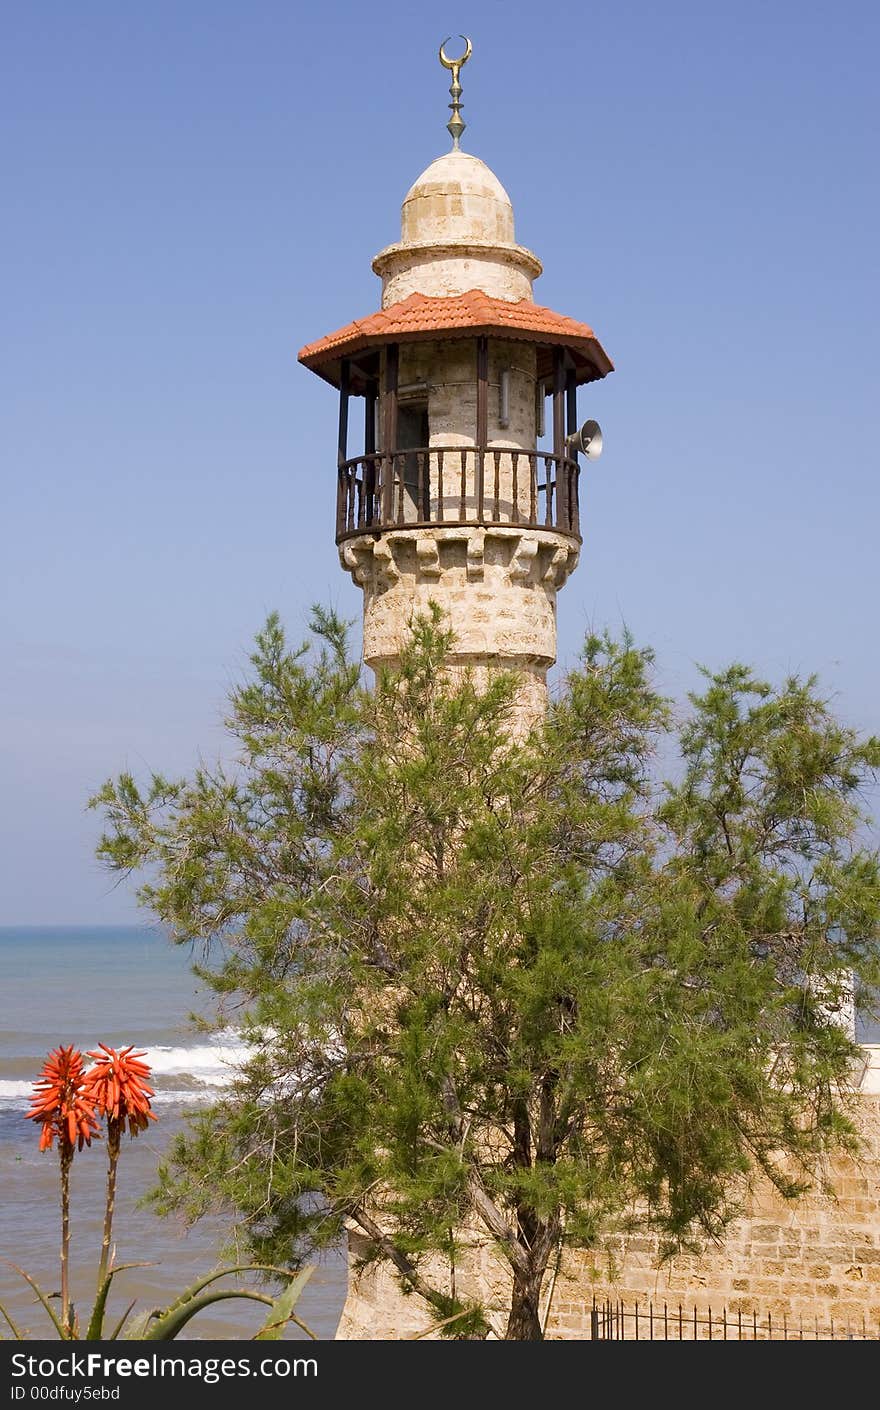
558,431
342,476
482,418
370,399
389,431
564,493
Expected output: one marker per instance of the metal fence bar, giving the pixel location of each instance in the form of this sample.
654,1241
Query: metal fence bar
614,1320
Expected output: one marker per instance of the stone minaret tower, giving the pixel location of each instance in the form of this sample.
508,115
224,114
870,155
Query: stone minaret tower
451,499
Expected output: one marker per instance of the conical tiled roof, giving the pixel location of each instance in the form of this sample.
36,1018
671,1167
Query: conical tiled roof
424,317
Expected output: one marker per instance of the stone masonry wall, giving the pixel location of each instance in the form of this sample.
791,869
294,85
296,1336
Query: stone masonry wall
817,1259
448,370
497,589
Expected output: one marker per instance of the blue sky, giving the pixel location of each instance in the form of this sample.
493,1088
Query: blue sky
194,190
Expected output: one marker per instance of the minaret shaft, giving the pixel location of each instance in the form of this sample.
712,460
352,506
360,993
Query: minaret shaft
495,582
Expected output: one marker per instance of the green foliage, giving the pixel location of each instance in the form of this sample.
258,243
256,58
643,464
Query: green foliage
508,980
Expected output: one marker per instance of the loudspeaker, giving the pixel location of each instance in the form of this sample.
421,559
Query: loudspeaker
588,440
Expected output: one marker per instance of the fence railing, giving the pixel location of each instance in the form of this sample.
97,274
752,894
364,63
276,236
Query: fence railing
457,485
616,1320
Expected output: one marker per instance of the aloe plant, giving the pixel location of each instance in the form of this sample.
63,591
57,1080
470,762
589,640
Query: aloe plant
68,1102
165,1324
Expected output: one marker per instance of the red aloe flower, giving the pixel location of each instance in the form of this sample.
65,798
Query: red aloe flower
61,1102
116,1087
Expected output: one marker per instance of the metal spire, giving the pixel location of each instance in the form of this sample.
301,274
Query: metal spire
455,126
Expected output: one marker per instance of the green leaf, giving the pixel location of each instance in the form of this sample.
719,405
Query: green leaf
166,1324
62,1331
170,1323
12,1327
96,1321
114,1335
282,1310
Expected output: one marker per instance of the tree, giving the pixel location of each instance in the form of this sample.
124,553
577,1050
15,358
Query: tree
506,980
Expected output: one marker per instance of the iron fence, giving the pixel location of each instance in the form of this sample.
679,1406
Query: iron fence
615,1320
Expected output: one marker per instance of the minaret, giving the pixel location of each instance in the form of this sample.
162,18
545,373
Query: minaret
450,499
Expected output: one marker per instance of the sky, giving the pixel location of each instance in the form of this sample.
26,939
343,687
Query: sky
193,191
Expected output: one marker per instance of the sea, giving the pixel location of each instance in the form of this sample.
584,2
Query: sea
117,985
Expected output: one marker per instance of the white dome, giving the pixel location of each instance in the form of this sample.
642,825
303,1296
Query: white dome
457,199
456,235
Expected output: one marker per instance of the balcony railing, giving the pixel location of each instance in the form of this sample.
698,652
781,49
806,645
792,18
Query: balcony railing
457,485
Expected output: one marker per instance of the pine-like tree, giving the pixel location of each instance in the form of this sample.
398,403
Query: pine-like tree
508,982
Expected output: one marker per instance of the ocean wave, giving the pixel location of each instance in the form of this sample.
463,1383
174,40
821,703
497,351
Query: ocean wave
15,1096
206,1067
213,1064
10,1091
184,1096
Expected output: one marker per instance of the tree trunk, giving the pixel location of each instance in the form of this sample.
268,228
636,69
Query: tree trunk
535,1237
524,1322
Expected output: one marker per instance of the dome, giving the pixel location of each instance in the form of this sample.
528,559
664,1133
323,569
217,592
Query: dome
457,199
456,235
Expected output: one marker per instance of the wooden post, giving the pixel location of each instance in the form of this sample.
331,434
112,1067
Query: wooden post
482,417
342,523
389,430
371,396
558,431
344,385
567,494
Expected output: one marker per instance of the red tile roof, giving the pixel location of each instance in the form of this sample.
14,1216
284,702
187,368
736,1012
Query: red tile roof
423,317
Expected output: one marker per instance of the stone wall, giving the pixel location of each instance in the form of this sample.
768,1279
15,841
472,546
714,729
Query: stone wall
496,587
444,373
817,1259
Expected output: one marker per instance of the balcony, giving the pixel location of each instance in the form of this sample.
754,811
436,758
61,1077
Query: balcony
432,486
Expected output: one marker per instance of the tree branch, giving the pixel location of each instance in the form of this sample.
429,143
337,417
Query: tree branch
497,1225
404,1265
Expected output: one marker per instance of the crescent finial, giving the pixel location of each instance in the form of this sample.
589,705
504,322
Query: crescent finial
455,63
455,125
